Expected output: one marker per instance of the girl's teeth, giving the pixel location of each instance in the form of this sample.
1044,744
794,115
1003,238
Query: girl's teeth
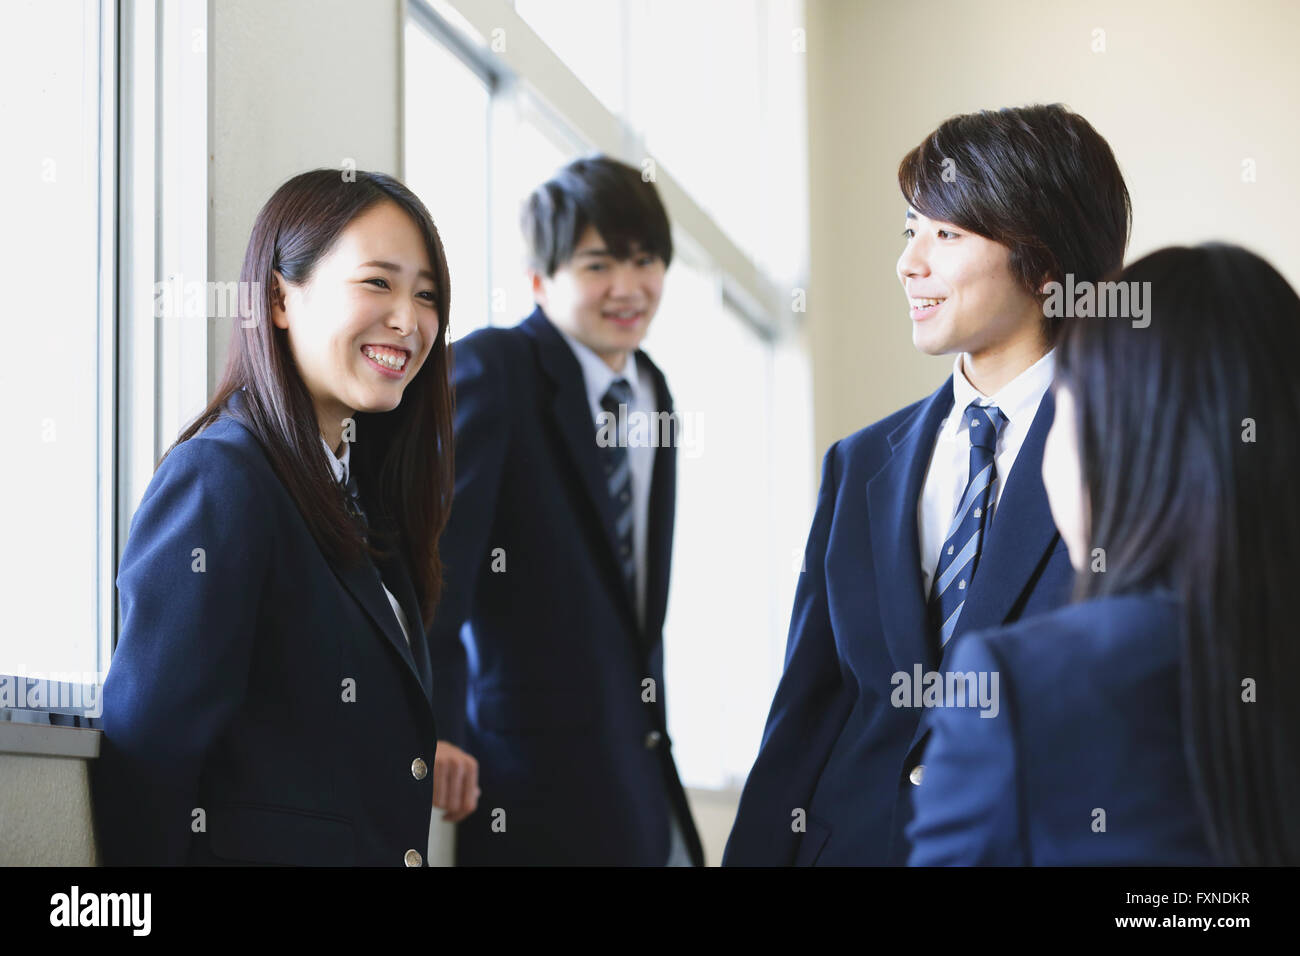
396,364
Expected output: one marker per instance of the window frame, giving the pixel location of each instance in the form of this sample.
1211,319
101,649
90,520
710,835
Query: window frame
154,127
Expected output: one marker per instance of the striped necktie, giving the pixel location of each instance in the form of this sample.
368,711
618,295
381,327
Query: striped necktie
618,479
352,498
961,549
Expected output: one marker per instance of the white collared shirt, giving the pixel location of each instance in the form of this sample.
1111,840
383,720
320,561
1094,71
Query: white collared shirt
945,481
597,376
340,466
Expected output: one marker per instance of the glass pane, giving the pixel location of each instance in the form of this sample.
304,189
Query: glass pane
588,36
794,471
726,121
49,100
717,634
525,158
446,166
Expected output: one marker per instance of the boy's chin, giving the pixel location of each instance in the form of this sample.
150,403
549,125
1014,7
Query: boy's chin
628,341
929,344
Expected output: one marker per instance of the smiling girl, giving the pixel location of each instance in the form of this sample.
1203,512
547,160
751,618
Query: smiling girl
268,699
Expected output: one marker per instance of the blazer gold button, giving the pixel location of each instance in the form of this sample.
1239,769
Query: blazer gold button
652,739
412,858
917,773
419,769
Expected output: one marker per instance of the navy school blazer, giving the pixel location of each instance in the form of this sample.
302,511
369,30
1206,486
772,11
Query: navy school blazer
267,708
542,671
833,778
1083,763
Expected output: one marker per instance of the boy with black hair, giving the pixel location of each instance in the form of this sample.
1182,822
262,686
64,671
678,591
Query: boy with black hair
547,644
934,521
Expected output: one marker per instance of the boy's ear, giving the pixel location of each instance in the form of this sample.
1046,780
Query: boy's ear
538,283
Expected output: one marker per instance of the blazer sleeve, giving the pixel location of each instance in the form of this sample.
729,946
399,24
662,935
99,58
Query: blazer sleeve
482,427
807,713
189,586
968,806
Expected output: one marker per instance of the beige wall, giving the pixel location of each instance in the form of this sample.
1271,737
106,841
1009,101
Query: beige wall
45,815
1185,91
296,84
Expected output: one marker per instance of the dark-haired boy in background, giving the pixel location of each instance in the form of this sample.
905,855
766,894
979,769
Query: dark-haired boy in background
547,644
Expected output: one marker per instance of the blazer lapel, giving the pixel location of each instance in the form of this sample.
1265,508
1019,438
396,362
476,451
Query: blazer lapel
366,585
367,588
663,504
572,416
1021,534
397,577
892,496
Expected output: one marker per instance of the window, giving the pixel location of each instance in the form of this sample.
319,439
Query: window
54,631
588,36
532,146
724,334
446,165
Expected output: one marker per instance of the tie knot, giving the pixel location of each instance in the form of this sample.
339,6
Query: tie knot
984,424
351,494
619,393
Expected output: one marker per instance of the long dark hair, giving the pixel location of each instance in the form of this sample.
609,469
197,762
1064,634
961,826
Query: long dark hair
1038,179
1187,430
403,458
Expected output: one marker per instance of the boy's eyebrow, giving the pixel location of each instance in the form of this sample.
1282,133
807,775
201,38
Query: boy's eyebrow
393,267
634,248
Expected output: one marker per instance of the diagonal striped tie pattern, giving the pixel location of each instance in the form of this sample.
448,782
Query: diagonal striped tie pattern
961,550
352,498
618,479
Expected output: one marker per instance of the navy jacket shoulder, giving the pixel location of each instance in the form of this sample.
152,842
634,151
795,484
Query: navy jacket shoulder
872,442
1082,761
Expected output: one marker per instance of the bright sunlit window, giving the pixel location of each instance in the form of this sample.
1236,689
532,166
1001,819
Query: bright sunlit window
50,628
747,471
446,166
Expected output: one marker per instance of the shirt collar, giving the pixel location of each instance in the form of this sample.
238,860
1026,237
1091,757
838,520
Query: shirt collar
1018,397
339,465
596,374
